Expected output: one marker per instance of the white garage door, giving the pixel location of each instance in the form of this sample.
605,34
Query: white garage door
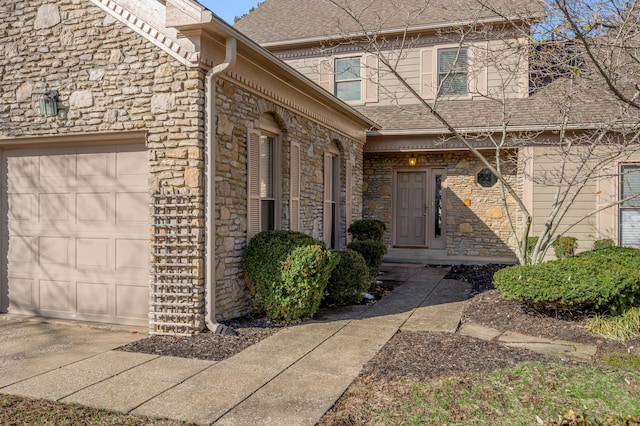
75,233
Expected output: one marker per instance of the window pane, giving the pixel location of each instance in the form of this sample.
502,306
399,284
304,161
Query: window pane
452,72
630,227
266,166
347,69
268,215
631,184
452,60
348,91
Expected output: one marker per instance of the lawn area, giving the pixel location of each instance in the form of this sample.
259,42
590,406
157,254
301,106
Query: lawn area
527,394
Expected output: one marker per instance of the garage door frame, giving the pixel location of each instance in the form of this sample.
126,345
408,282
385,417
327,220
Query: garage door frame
92,140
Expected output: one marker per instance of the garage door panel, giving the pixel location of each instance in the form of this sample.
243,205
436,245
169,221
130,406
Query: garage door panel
93,298
77,220
53,207
131,165
90,165
132,254
22,169
127,301
23,249
22,207
57,166
56,295
93,207
22,292
92,253
132,207
53,251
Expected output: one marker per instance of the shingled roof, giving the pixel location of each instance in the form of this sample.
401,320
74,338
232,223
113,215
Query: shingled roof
277,21
543,110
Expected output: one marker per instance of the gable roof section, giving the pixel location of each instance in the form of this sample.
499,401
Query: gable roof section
277,22
178,27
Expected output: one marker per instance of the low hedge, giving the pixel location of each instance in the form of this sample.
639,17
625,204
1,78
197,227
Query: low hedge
287,273
606,280
349,279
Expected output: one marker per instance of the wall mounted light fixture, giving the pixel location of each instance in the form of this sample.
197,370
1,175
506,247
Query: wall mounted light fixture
413,160
48,102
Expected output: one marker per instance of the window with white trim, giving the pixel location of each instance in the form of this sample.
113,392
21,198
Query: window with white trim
348,79
630,209
453,76
267,183
263,180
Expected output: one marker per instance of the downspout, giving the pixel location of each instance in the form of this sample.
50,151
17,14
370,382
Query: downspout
209,176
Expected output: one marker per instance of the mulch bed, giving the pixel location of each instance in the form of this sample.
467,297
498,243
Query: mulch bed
412,353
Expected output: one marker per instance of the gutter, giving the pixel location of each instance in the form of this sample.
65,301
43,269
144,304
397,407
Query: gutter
209,176
477,130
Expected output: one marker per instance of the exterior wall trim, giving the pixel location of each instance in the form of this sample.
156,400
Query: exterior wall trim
153,35
97,138
284,102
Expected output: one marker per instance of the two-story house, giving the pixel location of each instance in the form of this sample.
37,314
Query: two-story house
469,61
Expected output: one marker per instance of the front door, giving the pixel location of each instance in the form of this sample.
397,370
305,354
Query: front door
419,208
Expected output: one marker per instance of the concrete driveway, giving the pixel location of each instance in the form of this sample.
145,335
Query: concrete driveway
33,346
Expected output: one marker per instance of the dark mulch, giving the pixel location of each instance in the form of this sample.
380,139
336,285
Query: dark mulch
485,308
208,346
479,276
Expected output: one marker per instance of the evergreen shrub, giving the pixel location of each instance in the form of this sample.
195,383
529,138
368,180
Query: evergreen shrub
367,229
349,279
372,251
606,280
565,247
287,273
606,243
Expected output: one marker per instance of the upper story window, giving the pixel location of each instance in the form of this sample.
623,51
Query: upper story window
348,80
452,72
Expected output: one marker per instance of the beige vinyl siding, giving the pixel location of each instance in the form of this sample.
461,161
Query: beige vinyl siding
507,70
543,196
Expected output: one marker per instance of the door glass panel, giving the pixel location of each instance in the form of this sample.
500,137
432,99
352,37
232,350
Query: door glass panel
437,225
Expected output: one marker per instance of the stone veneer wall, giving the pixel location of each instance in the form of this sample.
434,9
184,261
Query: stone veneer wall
238,110
110,79
479,229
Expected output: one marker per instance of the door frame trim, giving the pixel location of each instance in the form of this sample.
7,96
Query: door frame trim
428,196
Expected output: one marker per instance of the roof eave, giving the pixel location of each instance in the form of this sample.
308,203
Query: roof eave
483,130
387,32
212,23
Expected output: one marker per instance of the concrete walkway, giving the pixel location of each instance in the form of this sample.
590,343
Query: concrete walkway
290,378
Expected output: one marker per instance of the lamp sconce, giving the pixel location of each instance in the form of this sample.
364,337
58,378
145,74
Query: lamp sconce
48,102
413,160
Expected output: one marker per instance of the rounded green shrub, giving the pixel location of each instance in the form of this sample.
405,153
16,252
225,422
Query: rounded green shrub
349,279
372,251
606,280
287,273
367,229
606,243
565,246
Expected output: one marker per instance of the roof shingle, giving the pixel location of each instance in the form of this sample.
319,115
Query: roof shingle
287,20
